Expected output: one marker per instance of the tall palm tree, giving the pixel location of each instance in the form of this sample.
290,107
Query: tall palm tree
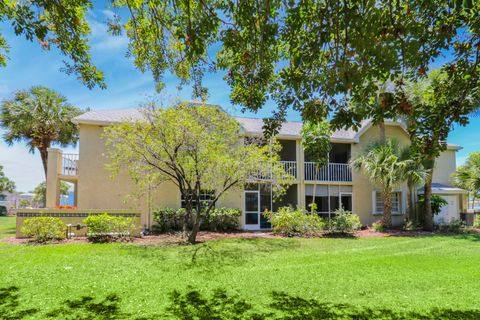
39,117
468,176
415,174
382,163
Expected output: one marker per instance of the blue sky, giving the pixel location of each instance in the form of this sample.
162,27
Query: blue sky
127,87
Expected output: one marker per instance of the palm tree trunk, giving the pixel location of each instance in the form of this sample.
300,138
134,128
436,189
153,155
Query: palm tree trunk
410,211
428,215
381,126
387,208
44,156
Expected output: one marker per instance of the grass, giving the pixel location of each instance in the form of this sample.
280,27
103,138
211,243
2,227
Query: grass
366,278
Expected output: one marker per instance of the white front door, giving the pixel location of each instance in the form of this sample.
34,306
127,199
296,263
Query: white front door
252,210
449,212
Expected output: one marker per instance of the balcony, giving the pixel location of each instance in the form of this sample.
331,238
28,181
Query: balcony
69,165
333,172
290,168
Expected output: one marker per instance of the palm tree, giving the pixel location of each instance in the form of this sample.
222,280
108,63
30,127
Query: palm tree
40,117
382,163
415,174
468,176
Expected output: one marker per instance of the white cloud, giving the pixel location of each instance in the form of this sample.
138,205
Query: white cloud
24,168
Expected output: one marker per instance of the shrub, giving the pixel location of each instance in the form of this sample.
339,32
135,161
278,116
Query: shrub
476,223
219,219
44,229
223,219
295,222
344,222
104,227
3,211
378,226
455,226
412,226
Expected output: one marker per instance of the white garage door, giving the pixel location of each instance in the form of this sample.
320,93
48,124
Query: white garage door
450,211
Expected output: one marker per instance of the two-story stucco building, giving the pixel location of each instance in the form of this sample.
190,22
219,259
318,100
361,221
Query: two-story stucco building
337,184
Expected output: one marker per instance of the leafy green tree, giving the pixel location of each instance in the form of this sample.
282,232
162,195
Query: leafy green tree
40,193
40,117
23,203
316,142
59,24
436,103
6,185
318,57
468,176
382,164
197,148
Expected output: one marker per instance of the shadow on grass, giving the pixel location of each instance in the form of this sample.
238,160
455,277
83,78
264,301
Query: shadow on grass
194,305
219,305
10,308
232,252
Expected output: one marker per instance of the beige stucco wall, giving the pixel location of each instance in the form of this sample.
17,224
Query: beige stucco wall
97,190
362,187
445,165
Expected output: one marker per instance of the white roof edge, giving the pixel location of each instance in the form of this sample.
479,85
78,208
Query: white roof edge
455,147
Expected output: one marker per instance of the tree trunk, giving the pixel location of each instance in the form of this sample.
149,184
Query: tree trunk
410,212
381,126
44,156
192,237
313,205
387,208
428,215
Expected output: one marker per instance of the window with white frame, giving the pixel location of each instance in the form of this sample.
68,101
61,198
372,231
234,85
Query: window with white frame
396,202
205,198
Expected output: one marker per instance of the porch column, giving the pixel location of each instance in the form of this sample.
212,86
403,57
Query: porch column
75,193
54,168
301,174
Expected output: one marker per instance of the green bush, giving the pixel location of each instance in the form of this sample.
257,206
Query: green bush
454,226
104,227
223,219
44,229
295,222
476,222
344,222
219,219
378,226
3,211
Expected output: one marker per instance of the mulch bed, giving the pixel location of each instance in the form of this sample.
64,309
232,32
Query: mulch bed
175,238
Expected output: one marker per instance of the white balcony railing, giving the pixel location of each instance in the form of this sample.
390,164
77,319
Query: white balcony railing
70,164
290,168
339,172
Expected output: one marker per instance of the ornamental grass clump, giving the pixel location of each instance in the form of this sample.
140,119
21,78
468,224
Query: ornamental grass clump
44,229
295,222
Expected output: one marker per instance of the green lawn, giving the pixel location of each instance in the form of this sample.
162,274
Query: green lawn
367,278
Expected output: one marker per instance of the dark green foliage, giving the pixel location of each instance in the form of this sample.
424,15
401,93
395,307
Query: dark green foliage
454,226
59,24
219,219
40,117
437,203
3,211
